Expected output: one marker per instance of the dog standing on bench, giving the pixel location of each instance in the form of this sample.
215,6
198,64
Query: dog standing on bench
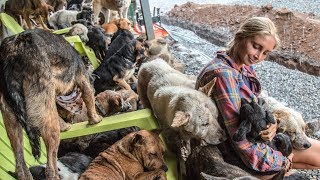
139,155
35,67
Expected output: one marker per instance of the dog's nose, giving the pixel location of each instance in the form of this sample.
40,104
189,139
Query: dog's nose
307,145
164,167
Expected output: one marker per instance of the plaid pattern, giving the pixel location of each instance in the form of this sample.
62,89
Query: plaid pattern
232,84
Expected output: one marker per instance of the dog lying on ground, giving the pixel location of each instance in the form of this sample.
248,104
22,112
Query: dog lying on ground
176,104
36,66
139,155
290,122
24,9
70,166
121,6
123,56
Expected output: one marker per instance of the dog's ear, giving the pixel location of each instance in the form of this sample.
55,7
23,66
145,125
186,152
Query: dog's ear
180,118
137,139
281,116
157,131
207,89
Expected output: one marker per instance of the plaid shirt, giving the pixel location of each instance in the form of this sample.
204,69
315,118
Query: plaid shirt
232,84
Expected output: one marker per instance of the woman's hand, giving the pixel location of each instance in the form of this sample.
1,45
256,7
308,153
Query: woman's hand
270,132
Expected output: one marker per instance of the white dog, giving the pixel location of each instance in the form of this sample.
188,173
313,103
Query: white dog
121,6
176,104
289,121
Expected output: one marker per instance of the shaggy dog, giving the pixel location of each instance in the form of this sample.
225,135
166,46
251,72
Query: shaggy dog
177,105
290,121
123,56
64,18
23,9
139,155
121,6
35,67
97,41
70,166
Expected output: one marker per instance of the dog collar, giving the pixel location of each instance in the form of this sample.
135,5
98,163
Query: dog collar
100,108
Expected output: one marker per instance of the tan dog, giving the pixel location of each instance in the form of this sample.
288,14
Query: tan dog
112,27
159,48
121,6
289,121
176,104
139,155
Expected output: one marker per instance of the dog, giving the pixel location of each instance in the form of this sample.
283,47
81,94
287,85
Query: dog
79,30
63,18
159,48
57,4
36,66
23,9
122,6
123,56
290,122
70,166
177,105
139,155
107,103
113,26
253,119
97,41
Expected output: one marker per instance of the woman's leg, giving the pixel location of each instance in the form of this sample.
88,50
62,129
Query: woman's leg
309,158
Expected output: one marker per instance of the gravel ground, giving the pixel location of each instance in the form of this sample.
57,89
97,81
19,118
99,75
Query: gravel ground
297,90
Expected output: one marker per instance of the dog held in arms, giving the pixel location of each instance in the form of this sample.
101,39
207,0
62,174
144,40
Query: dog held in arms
177,105
35,67
139,155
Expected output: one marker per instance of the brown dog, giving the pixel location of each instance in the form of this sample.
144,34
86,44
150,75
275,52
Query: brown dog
112,27
36,66
139,155
108,102
25,8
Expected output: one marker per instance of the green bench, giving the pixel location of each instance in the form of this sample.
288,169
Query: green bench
143,119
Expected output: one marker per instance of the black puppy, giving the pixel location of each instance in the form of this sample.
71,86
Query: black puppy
123,56
70,166
253,119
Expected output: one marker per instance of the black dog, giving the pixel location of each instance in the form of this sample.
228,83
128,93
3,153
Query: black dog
70,166
123,56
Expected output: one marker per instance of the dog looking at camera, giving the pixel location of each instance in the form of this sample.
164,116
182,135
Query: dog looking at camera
35,67
139,155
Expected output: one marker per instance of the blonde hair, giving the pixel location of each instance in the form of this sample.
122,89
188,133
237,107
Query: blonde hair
252,27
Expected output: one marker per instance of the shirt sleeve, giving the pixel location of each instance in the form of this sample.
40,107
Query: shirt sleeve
257,156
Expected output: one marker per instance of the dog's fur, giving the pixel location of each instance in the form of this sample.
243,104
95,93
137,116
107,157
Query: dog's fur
290,122
176,104
123,56
23,9
139,155
121,6
70,166
36,66
57,4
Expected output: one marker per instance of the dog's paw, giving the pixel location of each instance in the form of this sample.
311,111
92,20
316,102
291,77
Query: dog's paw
95,119
65,127
160,175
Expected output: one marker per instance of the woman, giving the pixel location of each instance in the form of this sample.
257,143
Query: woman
236,79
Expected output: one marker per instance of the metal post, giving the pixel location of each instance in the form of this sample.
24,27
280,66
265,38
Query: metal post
145,8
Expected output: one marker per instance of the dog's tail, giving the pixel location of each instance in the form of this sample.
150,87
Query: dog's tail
12,93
